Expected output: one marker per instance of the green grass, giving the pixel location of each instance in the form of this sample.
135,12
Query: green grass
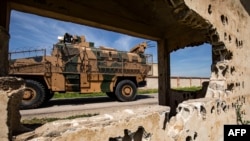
76,95
46,120
240,113
147,91
191,89
140,91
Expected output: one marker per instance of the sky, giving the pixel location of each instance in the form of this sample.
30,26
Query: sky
28,31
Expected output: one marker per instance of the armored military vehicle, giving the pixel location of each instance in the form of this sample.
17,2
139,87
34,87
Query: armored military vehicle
75,65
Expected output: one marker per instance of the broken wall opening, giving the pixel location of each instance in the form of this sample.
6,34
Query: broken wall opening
30,31
190,62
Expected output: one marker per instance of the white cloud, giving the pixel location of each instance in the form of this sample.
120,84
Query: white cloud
124,43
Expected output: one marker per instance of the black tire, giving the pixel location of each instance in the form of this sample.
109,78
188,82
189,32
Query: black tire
126,91
34,95
111,95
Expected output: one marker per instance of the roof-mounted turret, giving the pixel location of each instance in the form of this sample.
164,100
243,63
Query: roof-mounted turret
139,49
78,40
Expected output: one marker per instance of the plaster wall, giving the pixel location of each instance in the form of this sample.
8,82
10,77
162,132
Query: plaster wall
230,20
228,35
11,92
229,85
201,119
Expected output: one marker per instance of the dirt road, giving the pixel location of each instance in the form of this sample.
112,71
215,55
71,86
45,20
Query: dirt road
61,108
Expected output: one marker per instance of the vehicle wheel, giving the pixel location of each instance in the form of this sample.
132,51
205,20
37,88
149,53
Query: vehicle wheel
126,91
111,95
34,95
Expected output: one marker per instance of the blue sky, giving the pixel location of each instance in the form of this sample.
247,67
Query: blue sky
30,31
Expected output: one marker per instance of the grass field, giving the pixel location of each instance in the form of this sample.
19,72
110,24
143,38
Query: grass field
191,89
140,91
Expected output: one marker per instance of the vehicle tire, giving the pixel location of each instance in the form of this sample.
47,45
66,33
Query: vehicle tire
34,95
126,91
111,95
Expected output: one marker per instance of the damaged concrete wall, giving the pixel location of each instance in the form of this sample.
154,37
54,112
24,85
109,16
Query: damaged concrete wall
11,92
230,45
229,86
145,122
199,120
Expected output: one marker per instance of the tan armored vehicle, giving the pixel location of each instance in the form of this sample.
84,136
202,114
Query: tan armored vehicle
77,66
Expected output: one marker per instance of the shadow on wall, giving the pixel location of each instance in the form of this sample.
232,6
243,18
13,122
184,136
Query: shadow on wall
139,135
178,96
246,5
